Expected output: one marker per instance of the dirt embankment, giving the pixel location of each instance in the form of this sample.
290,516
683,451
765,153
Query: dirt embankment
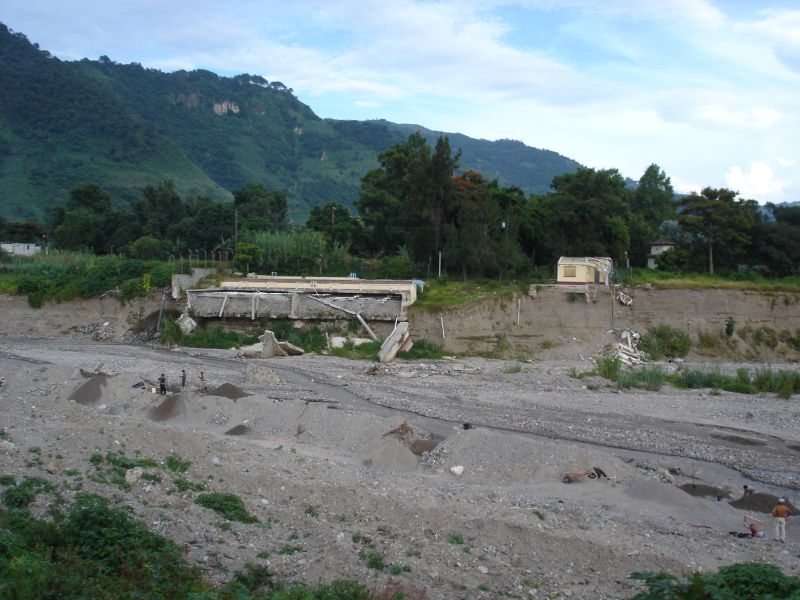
104,319
555,324
551,324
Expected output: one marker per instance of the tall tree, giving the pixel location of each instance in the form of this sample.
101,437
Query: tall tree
719,219
587,214
261,209
405,201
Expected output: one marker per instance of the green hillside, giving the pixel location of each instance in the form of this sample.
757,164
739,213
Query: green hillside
125,127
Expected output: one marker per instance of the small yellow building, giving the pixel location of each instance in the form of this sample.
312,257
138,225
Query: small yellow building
584,270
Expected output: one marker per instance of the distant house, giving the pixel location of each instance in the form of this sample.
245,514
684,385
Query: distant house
656,248
18,249
584,270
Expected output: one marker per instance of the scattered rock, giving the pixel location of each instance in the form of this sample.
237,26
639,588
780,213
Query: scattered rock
54,466
457,470
133,475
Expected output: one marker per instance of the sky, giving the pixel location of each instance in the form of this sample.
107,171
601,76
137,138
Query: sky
709,91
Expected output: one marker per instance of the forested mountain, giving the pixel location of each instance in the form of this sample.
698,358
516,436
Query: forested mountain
125,127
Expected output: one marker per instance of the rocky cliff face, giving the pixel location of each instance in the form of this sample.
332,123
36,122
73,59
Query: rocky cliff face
225,107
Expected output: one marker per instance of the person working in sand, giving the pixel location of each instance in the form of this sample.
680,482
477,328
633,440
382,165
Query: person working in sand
780,513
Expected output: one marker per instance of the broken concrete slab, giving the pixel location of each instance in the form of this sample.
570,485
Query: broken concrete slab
290,349
270,345
397,341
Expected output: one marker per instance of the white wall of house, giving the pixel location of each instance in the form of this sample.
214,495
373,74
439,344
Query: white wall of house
18,249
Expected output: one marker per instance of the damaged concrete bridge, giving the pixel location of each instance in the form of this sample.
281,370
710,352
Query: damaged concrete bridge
314,299
304,298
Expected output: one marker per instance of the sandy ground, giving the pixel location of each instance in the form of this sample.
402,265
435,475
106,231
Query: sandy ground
303,441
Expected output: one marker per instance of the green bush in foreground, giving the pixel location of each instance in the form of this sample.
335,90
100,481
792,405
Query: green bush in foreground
783,383
102,552
744,581
664,341
650,378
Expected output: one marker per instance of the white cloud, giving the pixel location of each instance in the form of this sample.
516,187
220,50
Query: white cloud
758,182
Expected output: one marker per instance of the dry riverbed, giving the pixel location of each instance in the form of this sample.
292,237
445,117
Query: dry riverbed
305,443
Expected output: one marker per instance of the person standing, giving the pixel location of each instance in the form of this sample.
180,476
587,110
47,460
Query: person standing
203,381
183,378
162,384
780,513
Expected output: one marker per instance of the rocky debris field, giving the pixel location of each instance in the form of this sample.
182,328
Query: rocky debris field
441,479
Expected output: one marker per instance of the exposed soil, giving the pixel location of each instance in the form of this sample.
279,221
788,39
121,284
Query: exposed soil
306,443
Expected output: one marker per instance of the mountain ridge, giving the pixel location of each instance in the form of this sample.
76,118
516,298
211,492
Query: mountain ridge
124,126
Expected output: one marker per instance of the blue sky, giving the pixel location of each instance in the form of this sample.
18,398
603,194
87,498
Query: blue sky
707,90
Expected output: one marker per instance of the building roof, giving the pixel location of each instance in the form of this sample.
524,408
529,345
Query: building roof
662,243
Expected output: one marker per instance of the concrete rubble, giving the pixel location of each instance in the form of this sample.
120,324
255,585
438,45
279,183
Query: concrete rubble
397,341
626,351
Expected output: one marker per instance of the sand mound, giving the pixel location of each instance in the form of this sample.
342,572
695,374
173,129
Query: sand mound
759,502
700,489
238,430
660,492
228,390
90,392
170,408
391,455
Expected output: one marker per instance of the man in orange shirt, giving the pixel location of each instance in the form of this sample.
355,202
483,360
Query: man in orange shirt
781,512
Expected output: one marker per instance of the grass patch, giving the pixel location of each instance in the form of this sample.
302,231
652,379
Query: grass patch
511,368
421,350
373,560
664,341
310,340
667,280
455,538
288,549
441,295
651,378
176,464
368,351
229,506
216,337
608,368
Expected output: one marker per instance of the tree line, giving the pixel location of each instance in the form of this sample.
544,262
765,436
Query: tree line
417,211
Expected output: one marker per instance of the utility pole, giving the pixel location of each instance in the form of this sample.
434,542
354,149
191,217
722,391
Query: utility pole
235,232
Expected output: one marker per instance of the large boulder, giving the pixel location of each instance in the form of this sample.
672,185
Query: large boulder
187,324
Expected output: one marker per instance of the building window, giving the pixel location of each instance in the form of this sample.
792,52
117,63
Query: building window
570,271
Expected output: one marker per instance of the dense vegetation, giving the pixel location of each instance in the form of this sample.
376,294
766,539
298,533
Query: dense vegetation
126,127
744,581
95,548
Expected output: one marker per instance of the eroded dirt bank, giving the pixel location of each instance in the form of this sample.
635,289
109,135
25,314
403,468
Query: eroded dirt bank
552,325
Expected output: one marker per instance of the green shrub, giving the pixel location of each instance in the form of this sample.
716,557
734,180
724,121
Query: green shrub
693,379
663,340
373,560
744,581
171,334
217,337
422,350
650,378
229,506
455,538
22,494
608,368
176,464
